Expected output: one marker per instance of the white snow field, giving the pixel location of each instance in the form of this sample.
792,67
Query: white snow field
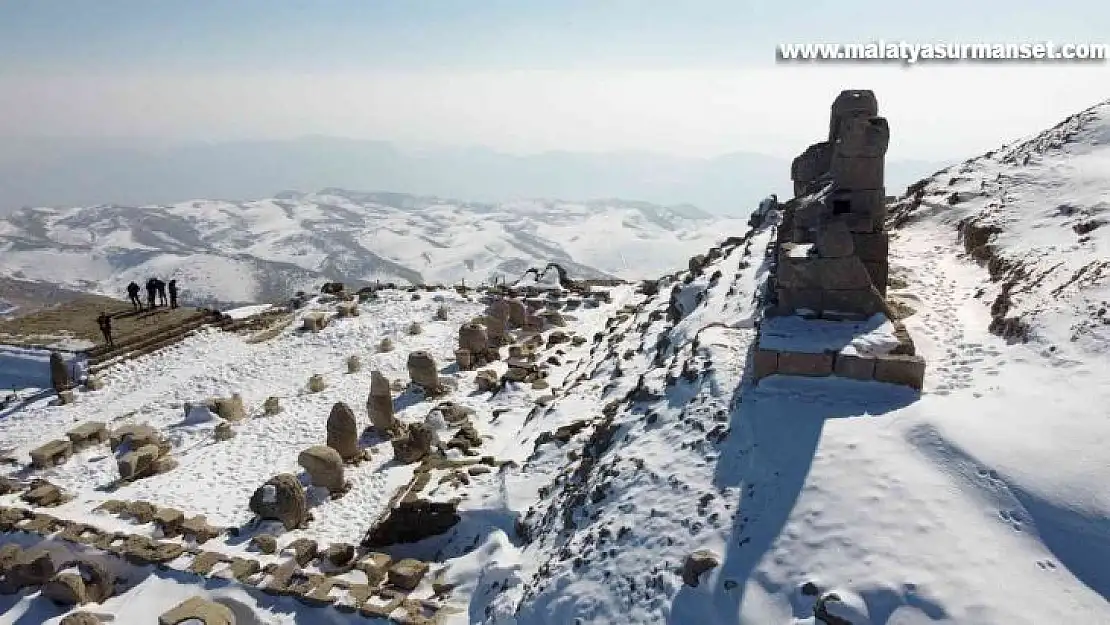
232,253
981,500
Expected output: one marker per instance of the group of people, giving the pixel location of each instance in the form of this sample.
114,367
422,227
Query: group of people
155,294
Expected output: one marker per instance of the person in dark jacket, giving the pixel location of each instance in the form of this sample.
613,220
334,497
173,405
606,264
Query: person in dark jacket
151,290
105,323
133,295
160,286
173,293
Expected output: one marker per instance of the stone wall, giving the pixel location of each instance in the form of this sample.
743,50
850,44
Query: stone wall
832,243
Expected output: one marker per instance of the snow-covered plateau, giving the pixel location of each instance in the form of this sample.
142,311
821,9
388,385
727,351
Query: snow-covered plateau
646,478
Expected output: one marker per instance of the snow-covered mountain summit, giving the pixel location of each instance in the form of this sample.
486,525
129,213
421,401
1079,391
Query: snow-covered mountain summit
1037,214
232,252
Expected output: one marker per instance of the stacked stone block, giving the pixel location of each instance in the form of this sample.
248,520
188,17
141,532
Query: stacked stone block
832,252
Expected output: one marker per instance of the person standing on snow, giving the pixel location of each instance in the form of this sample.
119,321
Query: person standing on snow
151,290
173,293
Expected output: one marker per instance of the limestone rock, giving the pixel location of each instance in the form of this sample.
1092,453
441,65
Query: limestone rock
516,312
136,436
80,618
229,408
198,610
407,573
138,463
379,405
414,443
496,331
452,413
94,383
486,380
59,373
343,432
346,310
223,431
265,543
315,322
88,434
414,329
33,567
51,454
324,466
375,566
385,345
282,499
340,554
423,371
354,364
271,406
464,359
441,313
697,563
304,550
834,240
78,583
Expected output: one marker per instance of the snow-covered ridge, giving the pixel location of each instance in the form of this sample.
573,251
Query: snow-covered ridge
246,252
1036,213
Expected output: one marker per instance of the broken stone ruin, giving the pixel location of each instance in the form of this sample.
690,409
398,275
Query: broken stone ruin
827,313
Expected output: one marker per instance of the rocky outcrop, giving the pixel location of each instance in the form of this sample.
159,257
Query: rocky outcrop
423,371
78,583
343,432
51,454
413,444
379,405
698,563
324,466
198,610
282,499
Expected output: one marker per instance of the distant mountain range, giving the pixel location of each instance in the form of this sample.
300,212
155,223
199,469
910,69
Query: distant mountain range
69,172
227,253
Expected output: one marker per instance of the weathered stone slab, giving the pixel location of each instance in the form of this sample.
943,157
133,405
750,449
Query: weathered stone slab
854,367
823,273
802,364
880,275
88,434
871,246
901,369
865,301
198,609
765,362
50,454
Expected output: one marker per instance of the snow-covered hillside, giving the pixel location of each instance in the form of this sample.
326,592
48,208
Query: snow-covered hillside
979,501
241,252
1037,214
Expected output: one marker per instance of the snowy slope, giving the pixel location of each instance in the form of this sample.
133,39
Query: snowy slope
244,252
980,501
1037,214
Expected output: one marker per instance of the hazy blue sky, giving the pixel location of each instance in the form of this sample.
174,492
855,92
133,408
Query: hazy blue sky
694,78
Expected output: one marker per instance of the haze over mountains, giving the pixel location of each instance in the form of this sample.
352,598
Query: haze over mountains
71,172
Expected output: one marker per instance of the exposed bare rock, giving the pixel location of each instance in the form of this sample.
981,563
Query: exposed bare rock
265,543
32,567
697,563
223,432
316,383
413,444
271,406
486,380
139,463
412,520
354,364
385,345
407,573
229,408
88,434
414,329
198,610
423,371
51,454
281,499
340,554
343,432
324,466
80,582
379,404
136,436
80,618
